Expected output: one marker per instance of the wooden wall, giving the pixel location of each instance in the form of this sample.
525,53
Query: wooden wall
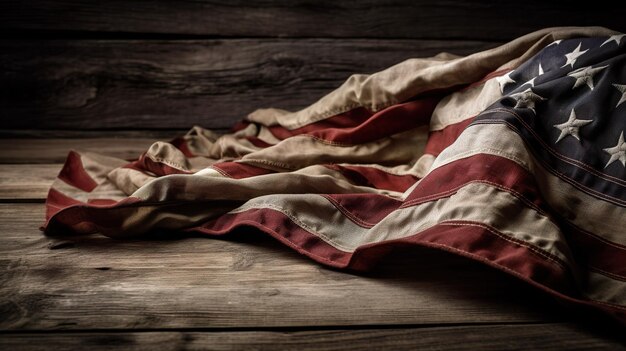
160,65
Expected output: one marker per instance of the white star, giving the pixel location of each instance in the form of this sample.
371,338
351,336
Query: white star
573,56
527,99
571,126
585,76
617,152
616,38
622,89
504,80
556,42
540,69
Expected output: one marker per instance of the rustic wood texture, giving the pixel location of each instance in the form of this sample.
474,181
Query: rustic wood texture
499,337
117,76
26,182
176,281
437,19
149,84
31,151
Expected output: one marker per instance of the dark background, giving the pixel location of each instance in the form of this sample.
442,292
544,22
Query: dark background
72,66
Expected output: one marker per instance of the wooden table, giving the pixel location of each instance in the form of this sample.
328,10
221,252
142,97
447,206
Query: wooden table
243,292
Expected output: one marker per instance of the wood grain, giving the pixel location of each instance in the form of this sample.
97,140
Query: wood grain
173,281
32,151
153,84
485,337
436,19
26,182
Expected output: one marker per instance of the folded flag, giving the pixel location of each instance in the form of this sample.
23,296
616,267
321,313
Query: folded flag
515,157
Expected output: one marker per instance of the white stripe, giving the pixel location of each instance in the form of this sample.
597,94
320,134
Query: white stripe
303,150
464,104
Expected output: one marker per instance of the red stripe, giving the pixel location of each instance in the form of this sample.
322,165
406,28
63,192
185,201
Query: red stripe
440,139
241,125
101,202
348,119
595,252
258,142
75,175
238,170
74,217
364,209
56,201
392,120
181,144
360,126
375,178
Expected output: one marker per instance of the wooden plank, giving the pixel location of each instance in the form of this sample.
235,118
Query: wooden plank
28,151
149,84
249,281
485,337
26,182
438,19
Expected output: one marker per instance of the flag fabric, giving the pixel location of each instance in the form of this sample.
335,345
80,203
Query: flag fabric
514,157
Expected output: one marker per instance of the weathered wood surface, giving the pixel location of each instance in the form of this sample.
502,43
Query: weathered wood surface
31,151
249,281
19,183
153,84
437,19
499,337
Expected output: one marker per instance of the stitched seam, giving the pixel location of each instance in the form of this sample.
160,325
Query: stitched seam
221,171
529,246
608,274
168,163
488,150
321,116
563,177
269,163
350,215
378,168
443,194
293,218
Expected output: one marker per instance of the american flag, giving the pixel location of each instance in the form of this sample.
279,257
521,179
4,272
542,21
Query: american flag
514,157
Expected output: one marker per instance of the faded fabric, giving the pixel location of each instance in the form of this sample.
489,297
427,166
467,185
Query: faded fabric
514,157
